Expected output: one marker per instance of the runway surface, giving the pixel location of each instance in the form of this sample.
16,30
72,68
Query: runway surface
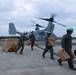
32,63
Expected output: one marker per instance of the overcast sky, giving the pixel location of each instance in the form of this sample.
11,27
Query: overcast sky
21,12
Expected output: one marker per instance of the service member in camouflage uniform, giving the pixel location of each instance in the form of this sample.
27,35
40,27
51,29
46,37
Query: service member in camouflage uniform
21,43
66,44
47,47
32,39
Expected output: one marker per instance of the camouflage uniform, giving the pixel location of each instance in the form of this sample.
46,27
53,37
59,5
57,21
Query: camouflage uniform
48,48
66,44
21,44
32,39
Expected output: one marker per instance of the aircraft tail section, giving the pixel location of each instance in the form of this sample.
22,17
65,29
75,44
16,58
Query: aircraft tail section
12,29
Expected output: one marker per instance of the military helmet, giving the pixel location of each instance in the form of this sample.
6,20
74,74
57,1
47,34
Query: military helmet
70,29
48,32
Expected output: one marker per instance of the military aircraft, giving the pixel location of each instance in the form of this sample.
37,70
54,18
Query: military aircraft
39,34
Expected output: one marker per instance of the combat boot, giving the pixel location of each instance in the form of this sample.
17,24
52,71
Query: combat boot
60,62
73,68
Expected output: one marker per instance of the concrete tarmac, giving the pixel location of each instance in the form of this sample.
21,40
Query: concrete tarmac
32,63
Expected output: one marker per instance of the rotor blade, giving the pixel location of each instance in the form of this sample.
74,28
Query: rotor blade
38,25
42,26
33,22
43,19
59,24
